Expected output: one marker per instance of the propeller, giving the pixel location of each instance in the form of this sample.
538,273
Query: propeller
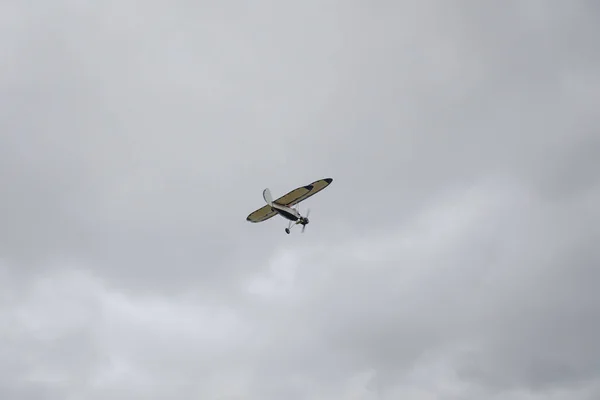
307,214
297,208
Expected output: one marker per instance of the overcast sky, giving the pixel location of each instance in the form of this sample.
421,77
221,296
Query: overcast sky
455,255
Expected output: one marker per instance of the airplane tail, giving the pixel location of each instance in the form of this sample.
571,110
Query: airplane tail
267,196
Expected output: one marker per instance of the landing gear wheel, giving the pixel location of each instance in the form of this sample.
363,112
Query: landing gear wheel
287,230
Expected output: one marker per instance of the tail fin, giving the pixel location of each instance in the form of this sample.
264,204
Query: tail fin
267,196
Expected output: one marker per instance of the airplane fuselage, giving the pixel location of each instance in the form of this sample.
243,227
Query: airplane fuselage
287,212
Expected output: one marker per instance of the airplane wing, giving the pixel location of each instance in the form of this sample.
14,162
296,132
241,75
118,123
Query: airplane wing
303,192
262,214
290,198
294,197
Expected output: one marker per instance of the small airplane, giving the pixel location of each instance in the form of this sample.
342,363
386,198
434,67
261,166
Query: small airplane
284,205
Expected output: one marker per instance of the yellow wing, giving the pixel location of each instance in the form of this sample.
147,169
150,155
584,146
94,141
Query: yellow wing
262,214
289,199
298,195
292,197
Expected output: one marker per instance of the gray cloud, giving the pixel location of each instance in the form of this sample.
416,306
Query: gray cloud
453,257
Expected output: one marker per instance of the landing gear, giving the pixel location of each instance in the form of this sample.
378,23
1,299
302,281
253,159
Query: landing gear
287,230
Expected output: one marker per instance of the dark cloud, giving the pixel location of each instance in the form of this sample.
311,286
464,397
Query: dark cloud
453,257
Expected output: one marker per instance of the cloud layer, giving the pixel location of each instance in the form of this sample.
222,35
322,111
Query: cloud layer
453,257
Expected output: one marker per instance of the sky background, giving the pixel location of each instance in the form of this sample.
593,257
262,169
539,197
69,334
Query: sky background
455,255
